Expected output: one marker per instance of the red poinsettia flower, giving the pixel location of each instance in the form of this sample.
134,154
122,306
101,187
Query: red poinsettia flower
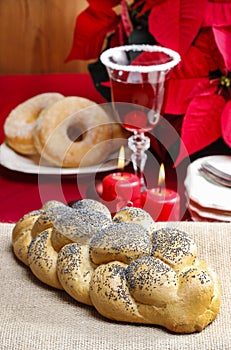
208,116
201,124
176,25
202,58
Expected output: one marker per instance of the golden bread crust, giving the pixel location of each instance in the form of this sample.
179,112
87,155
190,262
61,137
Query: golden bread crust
126,270
75,269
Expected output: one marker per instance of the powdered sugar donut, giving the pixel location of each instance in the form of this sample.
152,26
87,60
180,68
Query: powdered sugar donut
19,124
72,133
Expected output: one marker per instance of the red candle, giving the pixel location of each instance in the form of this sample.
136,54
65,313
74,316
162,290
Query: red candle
121,185
161,203
121,188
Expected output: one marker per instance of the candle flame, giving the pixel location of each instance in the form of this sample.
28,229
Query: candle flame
161,178
121,158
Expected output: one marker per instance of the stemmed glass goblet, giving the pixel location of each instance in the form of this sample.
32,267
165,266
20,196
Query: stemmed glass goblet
137,74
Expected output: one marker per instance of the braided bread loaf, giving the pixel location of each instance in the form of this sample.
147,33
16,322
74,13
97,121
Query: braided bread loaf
126,268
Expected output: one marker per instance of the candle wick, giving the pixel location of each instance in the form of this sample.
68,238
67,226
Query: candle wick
160,188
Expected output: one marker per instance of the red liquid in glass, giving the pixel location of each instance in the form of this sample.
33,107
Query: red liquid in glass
135,118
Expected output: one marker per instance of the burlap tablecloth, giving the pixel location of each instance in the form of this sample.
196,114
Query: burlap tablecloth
35,316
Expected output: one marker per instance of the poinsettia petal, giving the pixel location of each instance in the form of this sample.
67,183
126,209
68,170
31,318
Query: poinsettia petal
93,27
218,13
194,65
176,25
222,36
179,93
202,124
126,21
226,124
184,79
206,87
205,42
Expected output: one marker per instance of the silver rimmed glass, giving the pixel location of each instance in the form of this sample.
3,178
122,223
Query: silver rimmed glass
137,75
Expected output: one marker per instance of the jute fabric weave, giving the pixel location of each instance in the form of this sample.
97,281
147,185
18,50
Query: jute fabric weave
34,316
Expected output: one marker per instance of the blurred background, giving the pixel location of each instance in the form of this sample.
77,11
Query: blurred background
36,36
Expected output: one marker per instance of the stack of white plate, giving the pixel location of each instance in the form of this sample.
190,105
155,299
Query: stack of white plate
208,200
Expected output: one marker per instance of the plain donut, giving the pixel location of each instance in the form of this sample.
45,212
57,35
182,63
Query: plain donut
19,124
71,139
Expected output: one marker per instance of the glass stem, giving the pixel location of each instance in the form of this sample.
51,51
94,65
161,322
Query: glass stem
139,143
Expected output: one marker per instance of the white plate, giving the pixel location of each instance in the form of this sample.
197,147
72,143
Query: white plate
213,214
34,165
196,217
204,192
